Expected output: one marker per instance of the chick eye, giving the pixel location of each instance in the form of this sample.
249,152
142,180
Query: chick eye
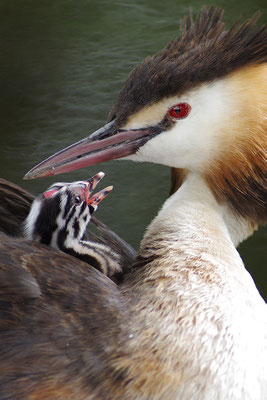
179,111
77,199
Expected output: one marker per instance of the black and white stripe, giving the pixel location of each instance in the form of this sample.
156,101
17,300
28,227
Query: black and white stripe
60,222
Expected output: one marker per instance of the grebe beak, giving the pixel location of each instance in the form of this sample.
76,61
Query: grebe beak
107,143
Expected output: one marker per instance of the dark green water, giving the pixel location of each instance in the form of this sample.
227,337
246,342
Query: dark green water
62,65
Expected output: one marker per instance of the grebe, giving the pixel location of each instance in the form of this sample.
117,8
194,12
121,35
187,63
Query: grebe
59,218
187,322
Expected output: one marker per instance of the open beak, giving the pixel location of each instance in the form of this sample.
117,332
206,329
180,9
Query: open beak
90,185
107,143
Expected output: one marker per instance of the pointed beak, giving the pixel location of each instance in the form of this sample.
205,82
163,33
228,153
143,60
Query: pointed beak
92,182
90,185
96,199
107,143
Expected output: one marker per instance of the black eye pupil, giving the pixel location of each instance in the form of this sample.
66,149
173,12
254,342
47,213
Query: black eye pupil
77,199
177,110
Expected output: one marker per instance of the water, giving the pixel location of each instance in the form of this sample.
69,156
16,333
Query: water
63,63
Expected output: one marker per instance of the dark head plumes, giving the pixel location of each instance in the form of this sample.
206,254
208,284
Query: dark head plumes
204,51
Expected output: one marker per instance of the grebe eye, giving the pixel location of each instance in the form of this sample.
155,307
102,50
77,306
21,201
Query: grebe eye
77,199
179,111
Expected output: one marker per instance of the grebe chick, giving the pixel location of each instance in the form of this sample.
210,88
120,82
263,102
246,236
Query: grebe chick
59,218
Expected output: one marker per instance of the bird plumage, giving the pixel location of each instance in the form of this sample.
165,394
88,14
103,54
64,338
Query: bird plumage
40,329
187,322
14,207
59,218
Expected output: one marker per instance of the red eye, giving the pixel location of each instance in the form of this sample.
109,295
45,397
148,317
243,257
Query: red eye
179,111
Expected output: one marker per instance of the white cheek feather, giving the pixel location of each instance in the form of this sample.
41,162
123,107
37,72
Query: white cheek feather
30,221
196,139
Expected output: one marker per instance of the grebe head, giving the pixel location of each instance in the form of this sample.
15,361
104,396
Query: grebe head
63,207
197,105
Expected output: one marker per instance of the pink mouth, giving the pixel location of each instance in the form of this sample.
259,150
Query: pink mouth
91,184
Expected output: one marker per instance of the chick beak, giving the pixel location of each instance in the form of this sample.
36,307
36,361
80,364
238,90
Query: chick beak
89,185
92,182
107,143
96,199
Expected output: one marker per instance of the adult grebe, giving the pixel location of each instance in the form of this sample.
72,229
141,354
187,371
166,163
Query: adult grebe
187,322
